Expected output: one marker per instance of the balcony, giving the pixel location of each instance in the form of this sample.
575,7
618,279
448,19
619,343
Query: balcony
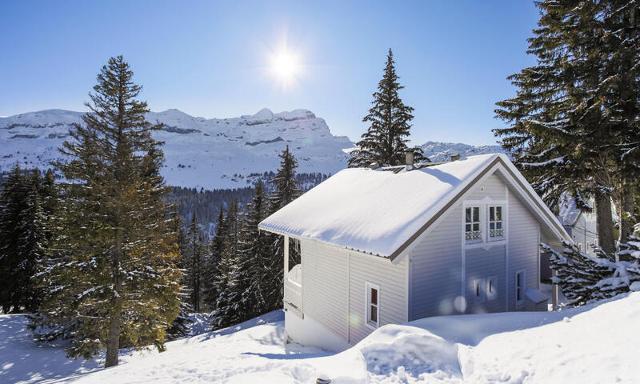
293,290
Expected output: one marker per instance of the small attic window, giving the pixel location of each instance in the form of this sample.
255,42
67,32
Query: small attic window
472,224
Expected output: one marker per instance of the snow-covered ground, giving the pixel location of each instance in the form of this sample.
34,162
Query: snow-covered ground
594,344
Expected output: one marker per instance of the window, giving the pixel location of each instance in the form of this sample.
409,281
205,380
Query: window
373,306
519,285
478,290
496,227
472,224
492,288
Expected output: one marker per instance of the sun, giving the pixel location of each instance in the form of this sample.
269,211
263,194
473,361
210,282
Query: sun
285,66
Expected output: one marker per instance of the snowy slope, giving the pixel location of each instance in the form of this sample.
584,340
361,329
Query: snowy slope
594,344
210,153
438,151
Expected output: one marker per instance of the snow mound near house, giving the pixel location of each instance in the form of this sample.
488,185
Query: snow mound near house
399,352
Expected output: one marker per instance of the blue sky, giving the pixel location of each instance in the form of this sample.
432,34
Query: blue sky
212,58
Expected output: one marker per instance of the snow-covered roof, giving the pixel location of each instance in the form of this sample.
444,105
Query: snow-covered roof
568,211
380,211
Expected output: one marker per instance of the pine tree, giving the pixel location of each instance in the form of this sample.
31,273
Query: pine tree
226,279
22,239
619,94
584,278
180,326
389,119
256,261
211,272
32,243
113,277
285,185
194,256
572,121
285,191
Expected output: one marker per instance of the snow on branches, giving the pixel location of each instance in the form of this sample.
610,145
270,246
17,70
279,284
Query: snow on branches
584,278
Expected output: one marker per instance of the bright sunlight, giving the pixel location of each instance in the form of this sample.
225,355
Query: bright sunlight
285,66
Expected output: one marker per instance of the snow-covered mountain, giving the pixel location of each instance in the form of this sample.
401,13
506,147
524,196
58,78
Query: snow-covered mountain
438,151
209,153
199,152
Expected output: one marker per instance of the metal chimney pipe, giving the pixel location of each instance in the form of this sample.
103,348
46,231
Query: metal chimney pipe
408,158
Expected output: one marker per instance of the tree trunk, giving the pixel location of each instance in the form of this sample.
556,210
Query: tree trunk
113,340
627,206
115,322
605,222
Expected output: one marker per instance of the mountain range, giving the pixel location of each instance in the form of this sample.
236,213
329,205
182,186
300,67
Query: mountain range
208,153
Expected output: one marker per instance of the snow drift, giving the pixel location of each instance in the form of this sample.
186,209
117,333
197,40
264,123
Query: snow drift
597,343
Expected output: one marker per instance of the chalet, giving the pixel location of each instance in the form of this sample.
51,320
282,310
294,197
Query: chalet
396,244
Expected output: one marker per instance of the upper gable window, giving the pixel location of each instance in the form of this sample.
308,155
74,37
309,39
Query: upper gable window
472,224
496,224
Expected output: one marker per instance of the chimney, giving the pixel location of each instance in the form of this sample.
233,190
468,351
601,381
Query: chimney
455,156
408,158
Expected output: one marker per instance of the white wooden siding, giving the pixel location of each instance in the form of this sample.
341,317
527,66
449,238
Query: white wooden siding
428,279
492,187
524,234
333,286
390,278
435,269
325,285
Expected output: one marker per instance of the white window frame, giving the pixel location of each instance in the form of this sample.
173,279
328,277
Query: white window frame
485,241
472,207
492,288
522,287
368,304
501,221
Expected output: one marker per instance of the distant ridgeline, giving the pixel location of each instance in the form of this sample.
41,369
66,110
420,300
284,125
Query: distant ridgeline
206,204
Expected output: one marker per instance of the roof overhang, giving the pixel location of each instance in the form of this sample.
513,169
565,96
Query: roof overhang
513,178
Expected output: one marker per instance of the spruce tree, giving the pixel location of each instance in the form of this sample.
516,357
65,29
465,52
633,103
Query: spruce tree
195,260
22,239
256,261
180,326
619,94
226,280
286,187
32,243
572,126
285,191
113,275
211,271
585,278
389,119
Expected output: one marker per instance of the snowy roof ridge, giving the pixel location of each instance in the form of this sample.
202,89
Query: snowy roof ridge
380,213
375,212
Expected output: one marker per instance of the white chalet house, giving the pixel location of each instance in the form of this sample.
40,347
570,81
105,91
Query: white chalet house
396,244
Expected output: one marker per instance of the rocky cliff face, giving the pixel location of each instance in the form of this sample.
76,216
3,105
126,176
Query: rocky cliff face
199,152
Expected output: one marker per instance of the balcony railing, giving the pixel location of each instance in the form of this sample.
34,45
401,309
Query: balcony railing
473,235
293,288
496,232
